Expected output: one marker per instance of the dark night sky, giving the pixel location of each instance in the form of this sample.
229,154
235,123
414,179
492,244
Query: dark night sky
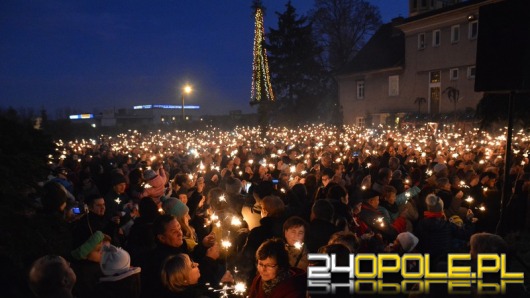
119,53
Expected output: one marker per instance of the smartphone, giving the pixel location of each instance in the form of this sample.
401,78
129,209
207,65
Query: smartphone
247,186
76,210
275,181
355,154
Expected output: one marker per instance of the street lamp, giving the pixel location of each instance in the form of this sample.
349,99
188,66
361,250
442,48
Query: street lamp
187,89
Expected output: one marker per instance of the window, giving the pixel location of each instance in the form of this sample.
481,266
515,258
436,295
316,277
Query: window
393,85
435,77
361,121
360,89
421,41
473,29
436,38
453,74
455,33
471,72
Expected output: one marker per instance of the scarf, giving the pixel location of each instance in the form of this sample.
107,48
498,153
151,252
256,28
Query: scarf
430,214
269,285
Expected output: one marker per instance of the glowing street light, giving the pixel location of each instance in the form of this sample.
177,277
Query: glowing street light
187,89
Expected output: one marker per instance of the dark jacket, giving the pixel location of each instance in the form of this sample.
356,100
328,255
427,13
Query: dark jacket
195,291
52,233
88,274
89,224
295,286
370,216
319,233
435,237
270,227
151,264
123,287
141,239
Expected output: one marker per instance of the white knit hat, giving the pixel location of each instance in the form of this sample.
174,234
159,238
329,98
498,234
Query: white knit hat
408,241
114,260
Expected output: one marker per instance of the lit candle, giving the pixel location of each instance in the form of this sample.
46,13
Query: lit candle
298,245
236,221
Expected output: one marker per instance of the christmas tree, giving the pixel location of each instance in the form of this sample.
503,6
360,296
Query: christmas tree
261,81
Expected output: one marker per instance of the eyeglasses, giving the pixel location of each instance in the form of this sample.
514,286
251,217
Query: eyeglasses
266,267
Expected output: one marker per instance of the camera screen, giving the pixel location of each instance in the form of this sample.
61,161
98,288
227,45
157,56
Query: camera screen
76,210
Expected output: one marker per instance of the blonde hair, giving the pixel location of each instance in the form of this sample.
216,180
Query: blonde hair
174,273
187,230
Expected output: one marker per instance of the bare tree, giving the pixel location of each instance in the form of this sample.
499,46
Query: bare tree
453,95
343,27
419,101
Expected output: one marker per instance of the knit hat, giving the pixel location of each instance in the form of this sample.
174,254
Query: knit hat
457,220
149,175
114,260
117,178
407,240
439,167
434,203
82,251
174,207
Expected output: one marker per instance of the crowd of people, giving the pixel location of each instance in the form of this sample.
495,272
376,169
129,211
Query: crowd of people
211,213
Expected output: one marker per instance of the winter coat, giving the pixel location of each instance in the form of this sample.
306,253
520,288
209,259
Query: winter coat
435,236
151,264
87,277
376,222
319,233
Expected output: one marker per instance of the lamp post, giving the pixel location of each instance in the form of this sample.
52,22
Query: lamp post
187,90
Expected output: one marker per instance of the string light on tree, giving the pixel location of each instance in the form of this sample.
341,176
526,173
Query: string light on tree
261,81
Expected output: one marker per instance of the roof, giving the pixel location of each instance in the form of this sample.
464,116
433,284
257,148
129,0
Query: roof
443,10
386,49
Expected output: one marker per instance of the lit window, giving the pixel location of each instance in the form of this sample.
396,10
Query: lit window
436,38
473,29
421,41
360,89
435,77
455,33
453,74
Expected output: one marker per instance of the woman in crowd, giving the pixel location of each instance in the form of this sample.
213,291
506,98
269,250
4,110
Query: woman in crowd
276,277
180,277
294,230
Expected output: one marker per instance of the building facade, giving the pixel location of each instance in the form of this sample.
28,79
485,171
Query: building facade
410,65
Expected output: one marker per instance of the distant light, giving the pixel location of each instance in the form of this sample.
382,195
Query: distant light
93,125
187,118
172,107
81,116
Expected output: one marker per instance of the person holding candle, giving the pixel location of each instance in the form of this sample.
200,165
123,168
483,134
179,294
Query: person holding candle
294,229
169,241
276,278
